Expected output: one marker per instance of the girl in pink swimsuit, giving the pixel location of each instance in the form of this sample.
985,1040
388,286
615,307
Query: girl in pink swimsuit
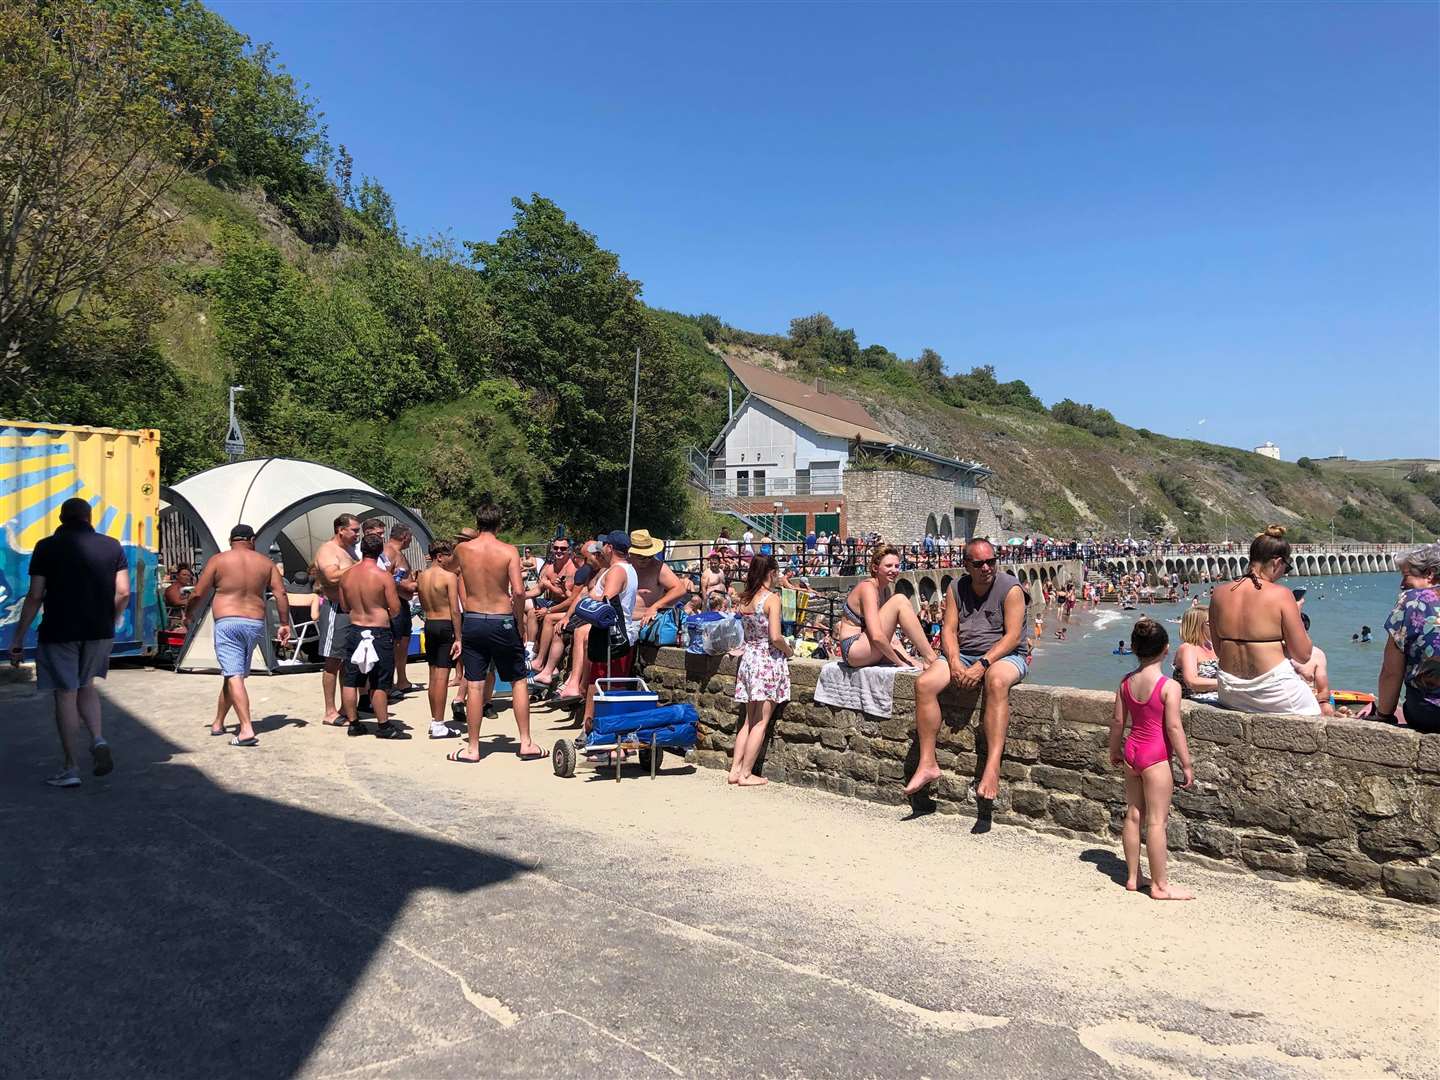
1151,703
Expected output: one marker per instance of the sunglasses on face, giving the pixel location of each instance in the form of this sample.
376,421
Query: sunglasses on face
983,562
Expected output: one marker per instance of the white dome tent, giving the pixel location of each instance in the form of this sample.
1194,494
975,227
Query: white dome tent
291,505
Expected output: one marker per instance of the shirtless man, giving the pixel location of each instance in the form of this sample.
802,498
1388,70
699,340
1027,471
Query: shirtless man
659,587
551,647
490,630
368,594
239,578
713,579
553,587
440,597
331,561
393,559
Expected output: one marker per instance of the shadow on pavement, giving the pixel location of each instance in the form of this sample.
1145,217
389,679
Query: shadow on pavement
156,924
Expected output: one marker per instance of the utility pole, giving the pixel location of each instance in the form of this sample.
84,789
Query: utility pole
1127,519
634,416
234,437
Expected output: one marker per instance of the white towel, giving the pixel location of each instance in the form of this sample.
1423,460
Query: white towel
1279,690
868,689
364,657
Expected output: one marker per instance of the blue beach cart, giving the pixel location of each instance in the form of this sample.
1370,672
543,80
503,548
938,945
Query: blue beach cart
628,719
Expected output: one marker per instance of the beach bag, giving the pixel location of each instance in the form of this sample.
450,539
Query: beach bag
723,635
695,630
664,629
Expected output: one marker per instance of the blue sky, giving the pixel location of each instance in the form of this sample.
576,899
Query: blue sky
1182,213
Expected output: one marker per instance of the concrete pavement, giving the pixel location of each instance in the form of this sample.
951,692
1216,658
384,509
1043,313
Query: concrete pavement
329,906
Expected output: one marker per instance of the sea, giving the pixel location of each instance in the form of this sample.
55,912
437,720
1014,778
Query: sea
1338,606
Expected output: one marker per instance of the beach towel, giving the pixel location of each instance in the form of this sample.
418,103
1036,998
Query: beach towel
868,689
1279,690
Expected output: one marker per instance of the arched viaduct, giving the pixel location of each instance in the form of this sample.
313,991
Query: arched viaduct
1308,563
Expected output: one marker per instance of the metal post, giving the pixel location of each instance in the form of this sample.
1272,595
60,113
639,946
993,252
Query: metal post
234,437
634,416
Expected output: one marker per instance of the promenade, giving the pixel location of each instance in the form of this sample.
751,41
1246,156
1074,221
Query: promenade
328,906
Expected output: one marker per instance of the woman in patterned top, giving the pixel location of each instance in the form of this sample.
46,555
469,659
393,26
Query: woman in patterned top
1412,646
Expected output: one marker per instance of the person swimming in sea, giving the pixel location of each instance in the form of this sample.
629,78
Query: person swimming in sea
1121,649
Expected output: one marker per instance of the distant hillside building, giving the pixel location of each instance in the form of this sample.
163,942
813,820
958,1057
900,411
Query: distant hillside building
1268,449
793,458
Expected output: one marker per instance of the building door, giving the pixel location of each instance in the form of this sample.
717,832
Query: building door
758,482
827,523
793,524
742,483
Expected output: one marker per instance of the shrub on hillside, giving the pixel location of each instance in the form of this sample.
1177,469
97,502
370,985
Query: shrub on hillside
1096,421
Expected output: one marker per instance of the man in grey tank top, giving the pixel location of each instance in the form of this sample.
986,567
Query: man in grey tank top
985,637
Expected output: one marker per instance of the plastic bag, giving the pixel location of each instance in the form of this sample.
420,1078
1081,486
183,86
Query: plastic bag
723,635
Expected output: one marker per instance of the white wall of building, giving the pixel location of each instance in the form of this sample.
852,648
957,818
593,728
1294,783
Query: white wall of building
765,438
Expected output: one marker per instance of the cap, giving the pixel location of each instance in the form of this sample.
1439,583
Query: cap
593,548
242,532
642,543
618,539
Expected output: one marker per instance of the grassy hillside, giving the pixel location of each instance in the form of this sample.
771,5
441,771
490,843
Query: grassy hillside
1063,480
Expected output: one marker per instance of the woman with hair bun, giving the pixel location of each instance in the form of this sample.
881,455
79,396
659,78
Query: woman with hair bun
873,610
1257,630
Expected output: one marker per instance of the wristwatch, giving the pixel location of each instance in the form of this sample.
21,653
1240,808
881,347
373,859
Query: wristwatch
985,663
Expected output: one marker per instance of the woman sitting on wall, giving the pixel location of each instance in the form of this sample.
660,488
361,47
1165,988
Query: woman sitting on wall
1197,668
1412,643
1256,626
872,613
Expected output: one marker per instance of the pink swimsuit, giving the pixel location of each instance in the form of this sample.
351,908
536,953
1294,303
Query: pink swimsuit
1146,743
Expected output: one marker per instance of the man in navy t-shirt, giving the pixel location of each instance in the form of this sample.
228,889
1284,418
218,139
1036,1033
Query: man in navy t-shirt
83,581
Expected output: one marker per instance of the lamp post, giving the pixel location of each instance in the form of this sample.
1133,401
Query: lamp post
1332,534
775,525
1127,519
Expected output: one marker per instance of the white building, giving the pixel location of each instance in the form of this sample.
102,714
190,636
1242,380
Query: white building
1268,449
789,443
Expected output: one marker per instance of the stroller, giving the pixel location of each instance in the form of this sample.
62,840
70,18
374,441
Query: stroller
628,718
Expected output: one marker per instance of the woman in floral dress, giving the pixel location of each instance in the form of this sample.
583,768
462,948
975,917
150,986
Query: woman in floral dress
1412,648
763,679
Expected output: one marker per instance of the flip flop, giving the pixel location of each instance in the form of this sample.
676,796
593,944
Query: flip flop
450,733
254,740
454,756
339,721
536,756
568,699
214,732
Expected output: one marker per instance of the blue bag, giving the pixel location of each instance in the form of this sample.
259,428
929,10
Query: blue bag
664,629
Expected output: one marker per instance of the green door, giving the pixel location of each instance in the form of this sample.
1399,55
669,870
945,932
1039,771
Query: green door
827,523
792,525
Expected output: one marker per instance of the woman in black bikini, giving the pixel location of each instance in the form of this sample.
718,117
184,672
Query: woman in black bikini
872,612
1256,628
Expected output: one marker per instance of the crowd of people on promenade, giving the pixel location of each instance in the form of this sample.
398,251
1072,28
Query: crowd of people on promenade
491,610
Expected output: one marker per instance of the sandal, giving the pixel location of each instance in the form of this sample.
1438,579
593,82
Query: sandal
454,756
254,740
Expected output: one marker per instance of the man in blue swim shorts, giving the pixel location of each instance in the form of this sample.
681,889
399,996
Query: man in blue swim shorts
239,579
986,639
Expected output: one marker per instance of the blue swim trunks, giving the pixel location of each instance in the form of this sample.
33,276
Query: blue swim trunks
235,642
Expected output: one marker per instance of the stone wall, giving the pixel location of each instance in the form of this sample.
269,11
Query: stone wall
1350,801
896,504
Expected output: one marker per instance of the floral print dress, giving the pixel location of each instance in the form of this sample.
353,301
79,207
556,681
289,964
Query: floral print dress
1414,626
764,673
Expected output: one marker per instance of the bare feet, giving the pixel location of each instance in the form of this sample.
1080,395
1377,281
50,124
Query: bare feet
734,777
988,787
1134,885
752,781
1169,892
921,778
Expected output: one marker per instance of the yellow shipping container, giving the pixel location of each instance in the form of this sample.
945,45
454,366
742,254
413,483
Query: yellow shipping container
117,472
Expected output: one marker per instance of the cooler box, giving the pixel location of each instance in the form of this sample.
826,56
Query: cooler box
614,697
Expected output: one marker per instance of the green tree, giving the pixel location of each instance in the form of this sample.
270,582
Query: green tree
569,322
88,148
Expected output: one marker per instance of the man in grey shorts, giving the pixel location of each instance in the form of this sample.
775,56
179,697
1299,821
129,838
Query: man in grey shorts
83,581
239,578
335,556
986,639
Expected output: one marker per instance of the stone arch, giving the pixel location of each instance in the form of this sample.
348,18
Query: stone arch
945,584
927,588
945,527
931,525
906,587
